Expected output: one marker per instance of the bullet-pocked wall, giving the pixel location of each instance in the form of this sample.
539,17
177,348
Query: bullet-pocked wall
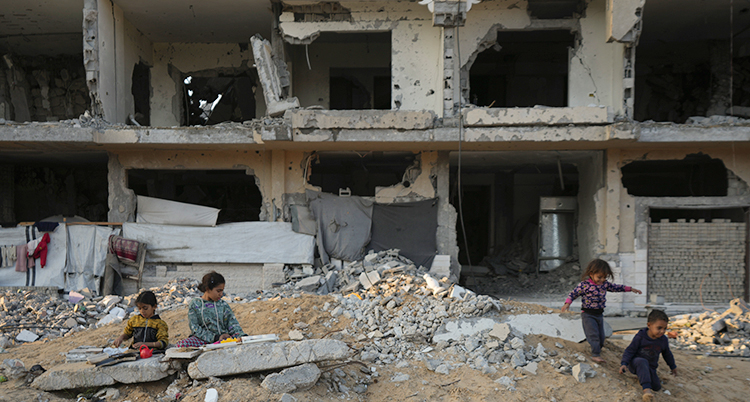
594,70
415,84
276,173
628,211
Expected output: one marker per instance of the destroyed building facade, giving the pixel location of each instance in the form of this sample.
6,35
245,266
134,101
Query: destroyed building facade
630,106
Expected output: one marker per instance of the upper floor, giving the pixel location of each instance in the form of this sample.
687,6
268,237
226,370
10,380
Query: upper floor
491,62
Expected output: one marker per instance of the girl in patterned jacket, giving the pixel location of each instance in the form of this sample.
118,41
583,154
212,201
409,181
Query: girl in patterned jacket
211,319
593,291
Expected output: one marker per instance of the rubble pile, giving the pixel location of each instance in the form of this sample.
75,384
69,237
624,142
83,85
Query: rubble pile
557,282
27,316
726,333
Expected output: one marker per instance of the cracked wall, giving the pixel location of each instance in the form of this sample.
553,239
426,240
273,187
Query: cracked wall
172,61
416,84
278,174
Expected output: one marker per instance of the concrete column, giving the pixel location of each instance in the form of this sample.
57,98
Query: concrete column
613,187
448,71
721,68
447,242
121,199
278,163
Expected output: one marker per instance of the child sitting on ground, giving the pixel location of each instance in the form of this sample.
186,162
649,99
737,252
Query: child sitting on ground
594,290
211,319
146,328
642,355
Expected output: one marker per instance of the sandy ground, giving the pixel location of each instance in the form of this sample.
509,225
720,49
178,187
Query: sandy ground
699,378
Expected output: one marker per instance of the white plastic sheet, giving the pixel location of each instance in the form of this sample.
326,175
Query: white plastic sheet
155,210
241,242
53,273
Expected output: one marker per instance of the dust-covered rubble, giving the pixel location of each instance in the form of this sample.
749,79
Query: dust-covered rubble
726,333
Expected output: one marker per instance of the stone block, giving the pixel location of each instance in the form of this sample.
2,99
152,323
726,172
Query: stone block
309,284
581,371
83,375
369,279
266,356
272,274
292,379
26,336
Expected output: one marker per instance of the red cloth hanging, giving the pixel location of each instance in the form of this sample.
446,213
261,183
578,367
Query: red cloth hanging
40,251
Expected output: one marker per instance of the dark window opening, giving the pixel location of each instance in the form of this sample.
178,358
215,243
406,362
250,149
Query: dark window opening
41,191
213,100
360,88
684,66
141,90
501,210
695,215
523,69
555,9
344,71
695,176
40,88
232,191
361,172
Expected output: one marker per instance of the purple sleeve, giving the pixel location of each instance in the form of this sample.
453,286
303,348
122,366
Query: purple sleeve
613,287
576,293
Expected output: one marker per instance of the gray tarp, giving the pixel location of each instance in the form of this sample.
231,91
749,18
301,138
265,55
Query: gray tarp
87,251
409,227
343,225
53,273
240,242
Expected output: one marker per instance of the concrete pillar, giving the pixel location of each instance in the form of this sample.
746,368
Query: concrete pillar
278,164
612,200
121,199
449,72
721,68
447,242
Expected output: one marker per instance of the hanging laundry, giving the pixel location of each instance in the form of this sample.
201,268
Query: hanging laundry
8,256
125,249
40,251
22,258
46,226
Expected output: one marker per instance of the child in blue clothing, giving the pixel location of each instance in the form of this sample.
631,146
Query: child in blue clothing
641,357
593,291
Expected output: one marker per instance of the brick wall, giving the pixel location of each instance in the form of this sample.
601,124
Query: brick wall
241,279
694,262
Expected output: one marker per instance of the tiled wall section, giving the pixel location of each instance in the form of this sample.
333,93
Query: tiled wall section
696,262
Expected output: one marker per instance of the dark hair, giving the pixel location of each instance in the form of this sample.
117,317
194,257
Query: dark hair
657,315
597,266
210,281
146,297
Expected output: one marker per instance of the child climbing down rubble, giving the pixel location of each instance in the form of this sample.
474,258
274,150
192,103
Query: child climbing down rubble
146,328
593,291
211,319
641,357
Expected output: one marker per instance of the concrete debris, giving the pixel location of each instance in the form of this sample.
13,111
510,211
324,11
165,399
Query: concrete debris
581,371
292,379
726,333
265,356
83,375
51,317
212,395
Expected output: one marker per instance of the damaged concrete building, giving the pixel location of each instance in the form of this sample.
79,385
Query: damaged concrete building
631,112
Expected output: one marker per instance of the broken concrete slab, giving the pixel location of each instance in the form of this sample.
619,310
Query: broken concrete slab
362,119
292,379
270,78
563,326
83,375
452,330
492,117
369,279
581,371
309,284
27,336
266,356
